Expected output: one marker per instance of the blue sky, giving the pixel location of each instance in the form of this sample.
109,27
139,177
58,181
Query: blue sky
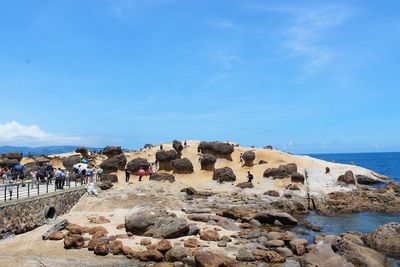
304,76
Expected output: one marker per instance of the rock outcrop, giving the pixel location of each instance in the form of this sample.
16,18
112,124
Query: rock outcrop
270,217
347,178
283,171
70,161
165,158
112,177
224,175
83,151
218,149
386,239
208,162
248,158
182,166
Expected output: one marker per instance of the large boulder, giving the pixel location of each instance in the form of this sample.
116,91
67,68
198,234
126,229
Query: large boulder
112,151
177,145
207,162
347,178
14,155
137,163
224,175
114,164
323,256
283,171
150,221
210,259
165,158
366,180
112,177
271,216
182,166
297,178
8,163
358,255
248,158
386,239
70,161
159,176
83,151
218,149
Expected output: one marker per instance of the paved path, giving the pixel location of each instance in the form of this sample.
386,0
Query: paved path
34,190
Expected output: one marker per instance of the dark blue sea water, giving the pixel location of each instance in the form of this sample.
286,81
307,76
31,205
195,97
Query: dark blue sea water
387,163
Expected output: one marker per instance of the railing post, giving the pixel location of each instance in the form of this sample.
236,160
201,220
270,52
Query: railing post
38,187
69,183
29,185
55,185
5,193
17,191
47,187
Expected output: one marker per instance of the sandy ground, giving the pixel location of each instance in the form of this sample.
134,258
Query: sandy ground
115,203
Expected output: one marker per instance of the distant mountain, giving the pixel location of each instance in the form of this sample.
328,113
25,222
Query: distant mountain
40,150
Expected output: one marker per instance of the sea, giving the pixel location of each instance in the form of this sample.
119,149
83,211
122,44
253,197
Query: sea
387,164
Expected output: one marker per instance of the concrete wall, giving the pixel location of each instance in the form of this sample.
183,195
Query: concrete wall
23,215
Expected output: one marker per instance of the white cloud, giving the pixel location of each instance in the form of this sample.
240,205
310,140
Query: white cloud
15,133
307,28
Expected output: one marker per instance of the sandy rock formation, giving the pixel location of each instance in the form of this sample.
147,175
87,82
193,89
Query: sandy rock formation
8,163
270,217
137,163
248,158
218,149
112,151
182,166
109,177
14,155
208,162
165,158
70,161
114,164
283,171
224,175
297,178
386,239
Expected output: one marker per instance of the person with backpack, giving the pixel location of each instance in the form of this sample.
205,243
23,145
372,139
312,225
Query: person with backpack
127,175
249,177
141,173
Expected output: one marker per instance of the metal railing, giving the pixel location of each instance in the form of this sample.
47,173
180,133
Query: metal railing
18,190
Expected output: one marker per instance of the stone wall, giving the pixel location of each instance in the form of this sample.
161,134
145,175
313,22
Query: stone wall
23,215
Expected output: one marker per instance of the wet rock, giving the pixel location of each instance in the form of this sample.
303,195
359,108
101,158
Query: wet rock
112,151
159,176
245,255
245,185
73,241
176,254
165,159
135,164
347,178
248,158
209,259
218,149
272,193
385,239
182,166
270,216
208,162
224,175
209,235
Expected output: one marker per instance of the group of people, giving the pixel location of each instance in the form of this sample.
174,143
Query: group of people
11,174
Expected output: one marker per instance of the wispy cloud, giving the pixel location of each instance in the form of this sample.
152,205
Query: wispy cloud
226,59
15,133
121,9
307,29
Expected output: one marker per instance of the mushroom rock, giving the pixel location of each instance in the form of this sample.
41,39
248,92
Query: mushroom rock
282,172
112,151
114,164
9,163
224,175
182,166
83,151
177,145
70,161
137,163
14,155
248,158
208,162
218,149
347,178
165,158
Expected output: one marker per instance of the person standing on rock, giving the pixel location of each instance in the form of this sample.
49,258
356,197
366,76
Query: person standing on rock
59,175
185,144
241,158
34,179
141,173
161,146
127,175
10,187
250,177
